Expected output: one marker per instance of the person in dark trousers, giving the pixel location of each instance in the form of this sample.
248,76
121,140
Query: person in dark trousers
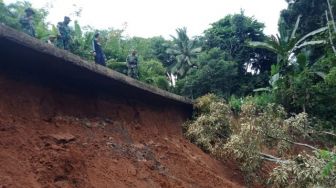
64,33
98,53
27,22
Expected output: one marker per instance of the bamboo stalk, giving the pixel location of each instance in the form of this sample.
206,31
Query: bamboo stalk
330,35
332,16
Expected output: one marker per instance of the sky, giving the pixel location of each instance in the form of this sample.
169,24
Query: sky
147,18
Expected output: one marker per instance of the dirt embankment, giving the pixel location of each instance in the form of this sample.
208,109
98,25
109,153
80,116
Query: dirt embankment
52,138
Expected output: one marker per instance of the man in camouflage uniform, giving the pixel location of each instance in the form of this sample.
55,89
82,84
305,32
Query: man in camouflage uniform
132,65
64,37
27,22
59,41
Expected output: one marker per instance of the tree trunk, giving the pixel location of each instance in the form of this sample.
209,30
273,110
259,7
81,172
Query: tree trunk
330,34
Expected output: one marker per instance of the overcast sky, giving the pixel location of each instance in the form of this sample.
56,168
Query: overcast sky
146,18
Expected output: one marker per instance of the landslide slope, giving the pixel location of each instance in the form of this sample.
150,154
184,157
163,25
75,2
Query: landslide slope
53,138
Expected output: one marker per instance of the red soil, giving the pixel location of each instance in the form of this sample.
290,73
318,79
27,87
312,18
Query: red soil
50,138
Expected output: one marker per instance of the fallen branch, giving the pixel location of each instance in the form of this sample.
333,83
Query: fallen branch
272,158
328,133
300,144
295,143
268,156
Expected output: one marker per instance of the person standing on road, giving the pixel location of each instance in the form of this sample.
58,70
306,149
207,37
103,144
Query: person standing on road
132,65
27,22
64,33
98,53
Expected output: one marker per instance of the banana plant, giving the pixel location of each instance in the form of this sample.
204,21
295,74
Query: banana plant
286,46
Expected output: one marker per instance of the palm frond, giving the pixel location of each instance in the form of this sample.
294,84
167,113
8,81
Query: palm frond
173,51
274,79
309,43
268,89
196,50
320,74
263,45
296,27
187,59
315,32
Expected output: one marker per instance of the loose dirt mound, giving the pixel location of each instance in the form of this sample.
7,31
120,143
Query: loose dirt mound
52,139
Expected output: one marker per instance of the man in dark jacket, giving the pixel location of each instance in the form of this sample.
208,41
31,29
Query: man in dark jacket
98,53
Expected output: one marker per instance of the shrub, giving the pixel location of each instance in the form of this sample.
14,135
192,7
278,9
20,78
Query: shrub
162,82
260,128
235,104
304,170
263,99
202,104
211,128
117,66
152,72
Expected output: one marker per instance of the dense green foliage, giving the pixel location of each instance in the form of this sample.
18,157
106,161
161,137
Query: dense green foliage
228,60
312,11
313,17
153,72
230,35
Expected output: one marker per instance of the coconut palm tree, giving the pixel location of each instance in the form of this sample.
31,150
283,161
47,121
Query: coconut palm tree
184,50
